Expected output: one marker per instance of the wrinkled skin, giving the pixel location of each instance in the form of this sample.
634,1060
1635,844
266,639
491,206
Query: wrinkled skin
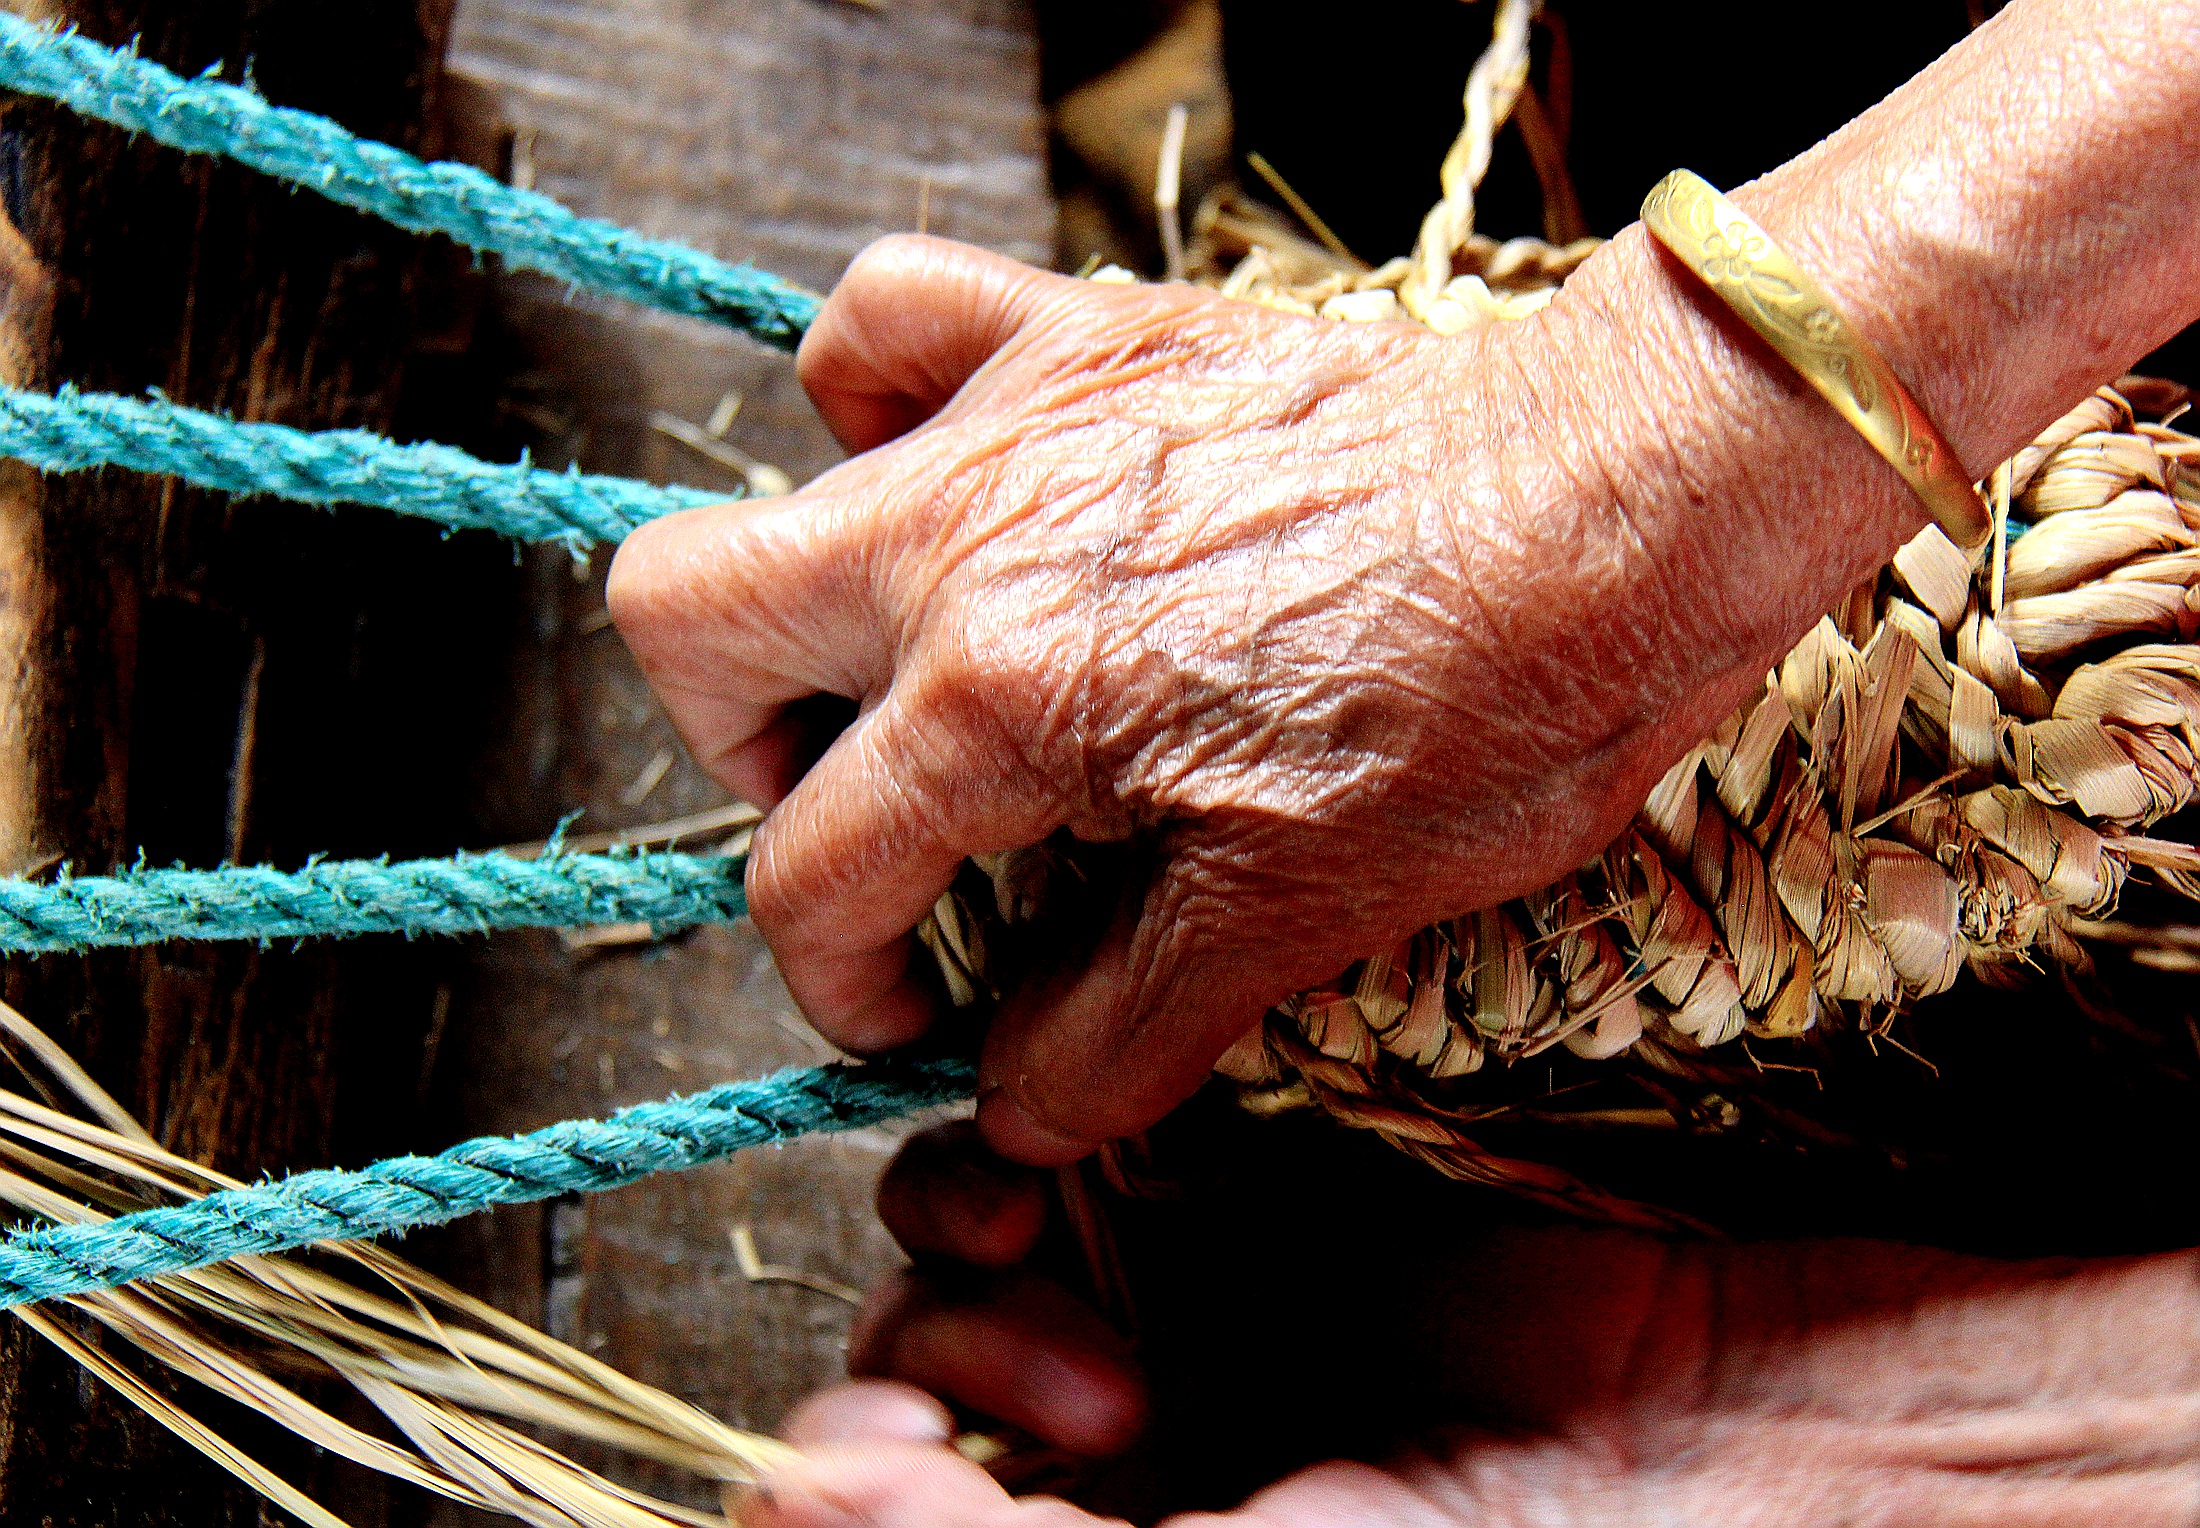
1348,628
1302,609
1578,1379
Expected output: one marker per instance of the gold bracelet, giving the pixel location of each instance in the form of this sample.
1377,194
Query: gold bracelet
1751,274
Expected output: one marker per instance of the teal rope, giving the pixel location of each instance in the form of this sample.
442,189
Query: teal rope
467,895
404,1192
70,431
73,431
526,229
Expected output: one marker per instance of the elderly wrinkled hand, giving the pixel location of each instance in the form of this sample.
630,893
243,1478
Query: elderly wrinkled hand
1343,627
1499,1378
1346,628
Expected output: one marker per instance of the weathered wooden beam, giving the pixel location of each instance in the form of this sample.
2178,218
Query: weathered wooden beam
200,680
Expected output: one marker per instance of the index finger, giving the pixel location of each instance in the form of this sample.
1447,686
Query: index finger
852,861
737,612
912,320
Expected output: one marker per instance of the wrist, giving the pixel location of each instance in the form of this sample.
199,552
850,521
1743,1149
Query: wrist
2006,252
1634,527
1749,506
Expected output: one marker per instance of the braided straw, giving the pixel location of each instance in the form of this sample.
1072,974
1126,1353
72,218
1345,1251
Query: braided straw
1930,784
1940,788
1454,279
1493,89
1955,772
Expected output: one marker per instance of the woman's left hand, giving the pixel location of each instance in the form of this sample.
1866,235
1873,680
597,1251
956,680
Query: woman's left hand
1530,1378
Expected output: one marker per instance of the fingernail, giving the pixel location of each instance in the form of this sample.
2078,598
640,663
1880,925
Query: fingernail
1016,1133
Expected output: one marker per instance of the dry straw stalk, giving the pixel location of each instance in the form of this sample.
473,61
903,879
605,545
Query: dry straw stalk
462,1386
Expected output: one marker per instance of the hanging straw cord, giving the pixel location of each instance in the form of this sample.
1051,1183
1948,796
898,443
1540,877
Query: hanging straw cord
404,1192
70,431
523,227
467,895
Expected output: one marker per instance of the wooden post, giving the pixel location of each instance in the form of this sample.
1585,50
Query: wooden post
200,680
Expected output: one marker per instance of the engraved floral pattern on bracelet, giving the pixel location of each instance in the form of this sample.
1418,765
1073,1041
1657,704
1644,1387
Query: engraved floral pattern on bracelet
1742,265
1727,260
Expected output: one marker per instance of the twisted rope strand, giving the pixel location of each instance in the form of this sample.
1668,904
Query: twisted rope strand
468,895
403,1192
70,431
527,229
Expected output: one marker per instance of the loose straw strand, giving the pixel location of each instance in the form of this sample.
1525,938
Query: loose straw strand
1168,192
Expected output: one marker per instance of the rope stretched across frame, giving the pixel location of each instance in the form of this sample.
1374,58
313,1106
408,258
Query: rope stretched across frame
73,431
70,431
403,1192
470,894
524,228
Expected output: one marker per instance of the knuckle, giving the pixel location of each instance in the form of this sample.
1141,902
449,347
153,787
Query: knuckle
817,862
669,572
893,254
888,266
1008,671
977,738
794,893
782,884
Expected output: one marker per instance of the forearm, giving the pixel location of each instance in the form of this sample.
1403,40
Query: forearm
2010,229
1853,1382
2018,224
1949,1390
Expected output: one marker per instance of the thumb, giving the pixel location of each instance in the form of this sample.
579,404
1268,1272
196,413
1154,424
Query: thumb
908,324
1180,972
